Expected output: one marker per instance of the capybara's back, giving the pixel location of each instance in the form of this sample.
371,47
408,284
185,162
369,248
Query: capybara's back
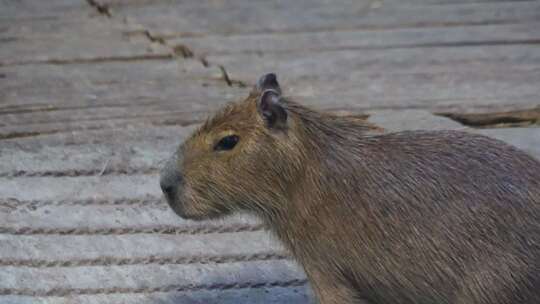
438,217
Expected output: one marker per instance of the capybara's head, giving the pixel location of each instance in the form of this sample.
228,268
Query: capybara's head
245,157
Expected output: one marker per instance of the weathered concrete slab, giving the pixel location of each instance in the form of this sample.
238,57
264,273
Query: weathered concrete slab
67,32
262,44
436,58
96,279
92,101
104,215
42,10
116,3
40,99
121,186
86,40
527,139
108,137
464,77
73,250
88,159
13,131
259,295
76,86
443,2
206,17
462,67
395,121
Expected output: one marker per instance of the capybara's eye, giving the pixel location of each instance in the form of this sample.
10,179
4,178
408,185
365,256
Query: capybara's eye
227,143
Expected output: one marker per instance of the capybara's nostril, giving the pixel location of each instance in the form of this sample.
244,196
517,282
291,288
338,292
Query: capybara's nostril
166,187
170,180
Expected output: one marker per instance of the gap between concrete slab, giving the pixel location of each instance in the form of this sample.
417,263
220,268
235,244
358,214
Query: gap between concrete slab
157,229
62,292
101,8
157,260
185,52
89,60
508,119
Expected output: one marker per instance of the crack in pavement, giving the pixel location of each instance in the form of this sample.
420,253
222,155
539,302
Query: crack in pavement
157,260
208,228
185,52
101,8
509,119
88,60
179,50
63,292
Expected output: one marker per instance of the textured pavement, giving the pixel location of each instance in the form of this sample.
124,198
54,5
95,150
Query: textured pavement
95,95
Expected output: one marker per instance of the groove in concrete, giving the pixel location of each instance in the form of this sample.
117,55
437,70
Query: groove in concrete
62,292
115,261
159,229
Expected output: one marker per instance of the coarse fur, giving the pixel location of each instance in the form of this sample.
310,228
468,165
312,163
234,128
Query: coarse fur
415,217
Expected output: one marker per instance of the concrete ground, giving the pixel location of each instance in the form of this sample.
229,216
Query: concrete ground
95,94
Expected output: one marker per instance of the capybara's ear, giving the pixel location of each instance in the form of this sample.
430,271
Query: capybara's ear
272,110
268,82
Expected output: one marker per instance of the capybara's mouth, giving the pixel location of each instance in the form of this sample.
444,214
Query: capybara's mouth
175,204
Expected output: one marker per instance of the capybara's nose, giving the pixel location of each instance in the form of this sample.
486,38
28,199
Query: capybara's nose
166,186
170,180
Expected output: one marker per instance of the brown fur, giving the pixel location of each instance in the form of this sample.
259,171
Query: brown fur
425,217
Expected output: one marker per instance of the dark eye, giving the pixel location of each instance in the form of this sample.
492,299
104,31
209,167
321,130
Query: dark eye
227,143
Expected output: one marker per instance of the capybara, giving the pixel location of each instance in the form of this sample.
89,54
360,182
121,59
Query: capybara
412,217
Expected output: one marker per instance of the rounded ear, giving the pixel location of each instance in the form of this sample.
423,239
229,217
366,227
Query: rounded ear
268,82
271,108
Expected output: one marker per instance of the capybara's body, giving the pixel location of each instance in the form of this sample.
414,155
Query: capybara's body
434,217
